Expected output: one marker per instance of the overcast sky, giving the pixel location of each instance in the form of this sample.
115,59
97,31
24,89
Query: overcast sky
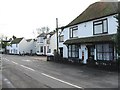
22,17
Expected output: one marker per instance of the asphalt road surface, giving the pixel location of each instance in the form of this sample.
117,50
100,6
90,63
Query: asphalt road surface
36,72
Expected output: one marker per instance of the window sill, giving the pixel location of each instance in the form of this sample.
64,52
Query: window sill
101,33
61,41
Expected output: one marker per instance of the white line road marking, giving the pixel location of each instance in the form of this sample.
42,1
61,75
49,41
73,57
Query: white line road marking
26,60
27,67
21,65
6,59
14,62
61,81
9,84
48,75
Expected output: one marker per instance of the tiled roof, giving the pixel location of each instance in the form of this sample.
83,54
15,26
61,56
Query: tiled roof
94,39
95,11
28,40
51,33
16,41
42,35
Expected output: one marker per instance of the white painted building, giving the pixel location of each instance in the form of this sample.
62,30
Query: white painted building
31,46
41,44
46,43
18,46
51,43
91,34
21,46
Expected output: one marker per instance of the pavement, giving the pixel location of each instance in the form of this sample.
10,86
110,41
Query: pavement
36,72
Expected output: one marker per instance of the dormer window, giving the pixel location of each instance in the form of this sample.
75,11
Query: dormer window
73,31
100,27
41,39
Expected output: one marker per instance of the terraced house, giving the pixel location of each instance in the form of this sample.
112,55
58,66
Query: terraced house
91,34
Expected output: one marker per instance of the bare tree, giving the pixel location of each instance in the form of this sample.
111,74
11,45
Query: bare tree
42,30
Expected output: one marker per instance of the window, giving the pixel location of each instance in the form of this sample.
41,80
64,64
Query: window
48,41
92,51
105,52
61,38
73,51
41,39
73,31
41,49
100,27
16,51
48,49
16,45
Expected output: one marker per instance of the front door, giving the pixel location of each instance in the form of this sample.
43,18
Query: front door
44,50
91,52
31,52
61,52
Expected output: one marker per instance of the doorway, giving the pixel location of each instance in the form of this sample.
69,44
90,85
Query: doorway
44,50
91,52
61,51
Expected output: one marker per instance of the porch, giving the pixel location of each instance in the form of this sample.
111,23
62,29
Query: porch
97,51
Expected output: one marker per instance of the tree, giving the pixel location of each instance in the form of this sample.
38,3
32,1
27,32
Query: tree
4,44
14,37
118,37
42,30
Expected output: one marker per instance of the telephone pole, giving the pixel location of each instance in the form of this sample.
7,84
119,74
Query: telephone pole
57,32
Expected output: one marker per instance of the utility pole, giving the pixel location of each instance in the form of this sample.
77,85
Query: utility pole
57,32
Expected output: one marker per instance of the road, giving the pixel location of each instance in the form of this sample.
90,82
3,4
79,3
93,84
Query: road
36,72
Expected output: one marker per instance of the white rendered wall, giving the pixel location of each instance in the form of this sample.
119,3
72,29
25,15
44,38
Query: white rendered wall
23,45
86,30
112,25
53,43
14,48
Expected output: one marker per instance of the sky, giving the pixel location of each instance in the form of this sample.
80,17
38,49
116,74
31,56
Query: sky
22,17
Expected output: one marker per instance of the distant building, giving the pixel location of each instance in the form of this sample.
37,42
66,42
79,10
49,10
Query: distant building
21,46
51,42
31,46
46,43
40,44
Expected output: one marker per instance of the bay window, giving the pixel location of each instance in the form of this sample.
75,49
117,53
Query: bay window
73,51
105,52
